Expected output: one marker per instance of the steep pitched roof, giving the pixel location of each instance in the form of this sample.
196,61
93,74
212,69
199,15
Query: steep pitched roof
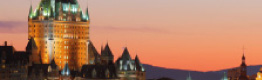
139,66
31,44
126,54
66,70
93,52
53,64
106,51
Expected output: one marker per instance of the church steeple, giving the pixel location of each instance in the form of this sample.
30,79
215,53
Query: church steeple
243,58
243,67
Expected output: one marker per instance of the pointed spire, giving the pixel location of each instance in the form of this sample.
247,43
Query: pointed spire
53,64
126,54
139,66
107,51
243,57
30,15
31,44
87,14
102,48
137,60
66,70
243,60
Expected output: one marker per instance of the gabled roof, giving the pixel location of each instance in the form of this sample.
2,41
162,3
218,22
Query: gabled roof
106,51
31,44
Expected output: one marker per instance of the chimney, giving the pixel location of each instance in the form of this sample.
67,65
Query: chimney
5,43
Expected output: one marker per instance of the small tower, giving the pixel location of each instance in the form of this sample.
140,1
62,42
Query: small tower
243,71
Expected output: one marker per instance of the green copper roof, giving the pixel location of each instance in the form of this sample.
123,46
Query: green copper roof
52,9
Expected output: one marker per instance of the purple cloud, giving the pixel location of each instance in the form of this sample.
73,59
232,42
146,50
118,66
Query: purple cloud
133,29
13,27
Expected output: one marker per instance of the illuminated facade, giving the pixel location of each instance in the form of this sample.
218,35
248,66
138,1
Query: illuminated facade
61,31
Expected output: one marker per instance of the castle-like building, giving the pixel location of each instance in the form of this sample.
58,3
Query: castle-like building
60,30
59,49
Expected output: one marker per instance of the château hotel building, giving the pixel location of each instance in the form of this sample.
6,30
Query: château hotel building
60,30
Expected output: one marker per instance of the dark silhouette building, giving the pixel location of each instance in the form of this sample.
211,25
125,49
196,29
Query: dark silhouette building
13,63
243,71
239,73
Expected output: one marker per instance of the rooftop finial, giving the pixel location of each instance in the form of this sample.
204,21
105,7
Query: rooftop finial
243,49
243,57
31,10
87,13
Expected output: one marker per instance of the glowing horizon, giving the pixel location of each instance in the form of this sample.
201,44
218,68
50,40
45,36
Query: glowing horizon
202,35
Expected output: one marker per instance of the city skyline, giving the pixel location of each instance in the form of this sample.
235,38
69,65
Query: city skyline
195,36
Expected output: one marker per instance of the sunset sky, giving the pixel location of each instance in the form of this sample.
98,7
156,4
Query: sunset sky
201,35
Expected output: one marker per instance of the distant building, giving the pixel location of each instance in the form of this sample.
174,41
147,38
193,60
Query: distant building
239,73
13,63
129,69
102,67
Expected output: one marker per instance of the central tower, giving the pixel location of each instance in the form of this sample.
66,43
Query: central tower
61,32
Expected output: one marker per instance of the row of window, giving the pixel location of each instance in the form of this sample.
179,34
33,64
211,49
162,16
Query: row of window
64,26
